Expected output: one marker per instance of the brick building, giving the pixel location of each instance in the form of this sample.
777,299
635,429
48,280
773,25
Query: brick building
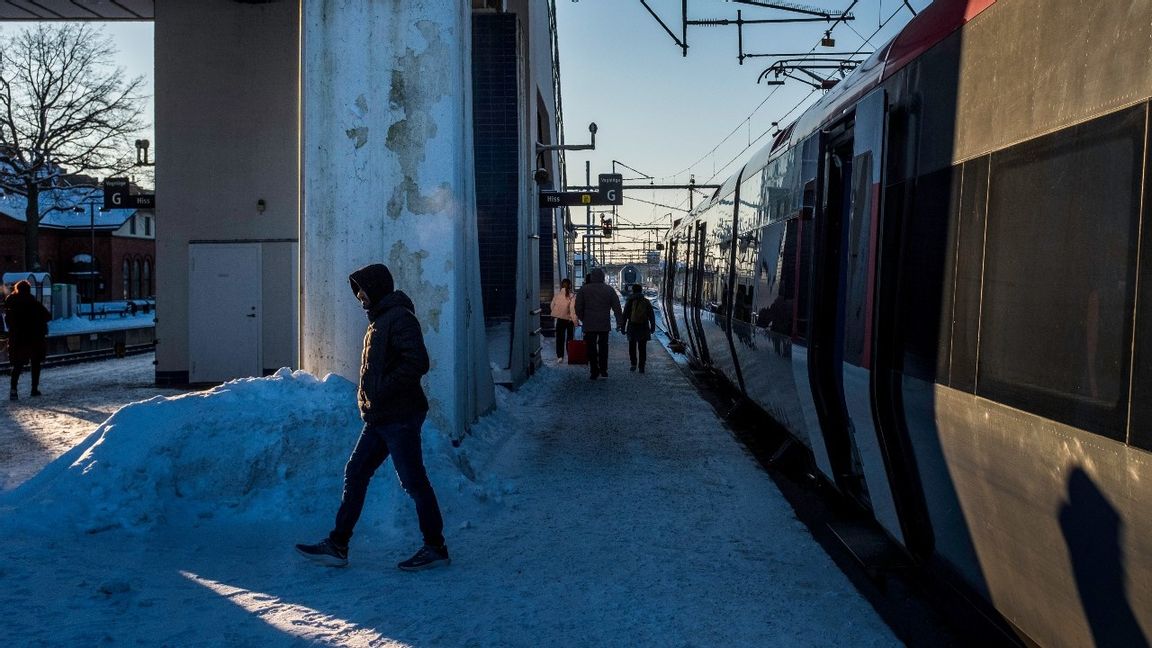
73,230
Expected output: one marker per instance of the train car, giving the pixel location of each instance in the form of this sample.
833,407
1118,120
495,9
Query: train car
629,275
939,280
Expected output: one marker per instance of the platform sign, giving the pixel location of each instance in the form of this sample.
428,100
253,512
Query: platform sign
612,188
569,199
116,193
142,201
609,192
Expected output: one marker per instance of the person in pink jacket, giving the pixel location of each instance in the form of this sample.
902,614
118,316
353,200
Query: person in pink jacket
564,310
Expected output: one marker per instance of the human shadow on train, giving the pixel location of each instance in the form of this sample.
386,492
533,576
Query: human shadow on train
1093,532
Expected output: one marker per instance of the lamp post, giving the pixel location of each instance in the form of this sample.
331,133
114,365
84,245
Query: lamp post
92,273
92,247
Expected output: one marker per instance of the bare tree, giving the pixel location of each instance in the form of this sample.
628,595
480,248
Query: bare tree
63,105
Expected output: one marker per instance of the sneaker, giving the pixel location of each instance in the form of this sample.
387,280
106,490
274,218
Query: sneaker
35,392
12,395
592,377
641,368
632,368
603,373
427,558
324,552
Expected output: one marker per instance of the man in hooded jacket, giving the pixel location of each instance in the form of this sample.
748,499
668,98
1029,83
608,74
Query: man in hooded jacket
393,406
596,301
27,322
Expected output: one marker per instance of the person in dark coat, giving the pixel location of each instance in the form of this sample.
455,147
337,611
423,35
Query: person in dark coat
596,301
640,323
27,322
393,406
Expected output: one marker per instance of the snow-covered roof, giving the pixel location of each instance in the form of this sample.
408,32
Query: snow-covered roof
57,207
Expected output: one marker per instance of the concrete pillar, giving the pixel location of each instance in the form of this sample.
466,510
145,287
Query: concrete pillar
387,177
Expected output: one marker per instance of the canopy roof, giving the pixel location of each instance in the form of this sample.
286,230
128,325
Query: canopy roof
77,9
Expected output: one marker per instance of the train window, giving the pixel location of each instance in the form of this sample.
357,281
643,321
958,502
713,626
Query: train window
804,184
776,277
1060,273
779,181
1140,429
969,247
923,292
747,253
856,315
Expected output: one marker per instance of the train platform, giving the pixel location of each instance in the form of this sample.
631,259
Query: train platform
619,511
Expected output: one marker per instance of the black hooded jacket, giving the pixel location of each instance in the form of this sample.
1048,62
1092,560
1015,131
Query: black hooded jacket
27,325
394,355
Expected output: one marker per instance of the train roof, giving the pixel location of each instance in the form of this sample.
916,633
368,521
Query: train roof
932,25
928,28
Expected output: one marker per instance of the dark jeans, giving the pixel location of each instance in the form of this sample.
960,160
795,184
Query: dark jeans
18,363
637,348
564,332
597,351
401,440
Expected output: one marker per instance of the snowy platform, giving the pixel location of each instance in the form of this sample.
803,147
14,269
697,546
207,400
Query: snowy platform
615,512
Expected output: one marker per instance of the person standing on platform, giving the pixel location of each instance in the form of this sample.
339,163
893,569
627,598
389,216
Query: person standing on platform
596,301
393,406
640,320
27,322
563,310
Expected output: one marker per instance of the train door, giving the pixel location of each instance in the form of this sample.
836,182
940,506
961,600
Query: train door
863,215
799,253
829,277
668,296
695,323
690,272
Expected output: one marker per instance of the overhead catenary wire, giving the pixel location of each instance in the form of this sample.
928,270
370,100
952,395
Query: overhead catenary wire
802,101
747,120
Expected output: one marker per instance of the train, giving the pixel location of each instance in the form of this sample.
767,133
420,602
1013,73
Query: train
938,280
629,275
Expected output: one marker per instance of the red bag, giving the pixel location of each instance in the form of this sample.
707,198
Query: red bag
577,352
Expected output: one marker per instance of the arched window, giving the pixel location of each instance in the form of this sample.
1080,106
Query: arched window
126,272
135,278
147,282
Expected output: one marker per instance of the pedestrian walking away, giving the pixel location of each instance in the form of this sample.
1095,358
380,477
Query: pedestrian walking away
393,407
640,324
596,302
27,323
563,310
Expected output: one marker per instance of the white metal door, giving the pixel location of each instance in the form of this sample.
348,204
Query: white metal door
223,311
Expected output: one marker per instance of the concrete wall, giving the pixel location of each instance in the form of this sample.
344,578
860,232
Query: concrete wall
387,168
226,137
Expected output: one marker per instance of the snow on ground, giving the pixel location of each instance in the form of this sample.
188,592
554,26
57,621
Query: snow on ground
77,398
580,513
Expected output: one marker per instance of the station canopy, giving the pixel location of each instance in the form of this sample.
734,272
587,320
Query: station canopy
77,9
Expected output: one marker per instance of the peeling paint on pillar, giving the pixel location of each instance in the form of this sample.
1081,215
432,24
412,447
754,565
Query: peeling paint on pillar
387,177
418,83
408,270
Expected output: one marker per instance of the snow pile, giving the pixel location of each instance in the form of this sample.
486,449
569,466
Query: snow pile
254,451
